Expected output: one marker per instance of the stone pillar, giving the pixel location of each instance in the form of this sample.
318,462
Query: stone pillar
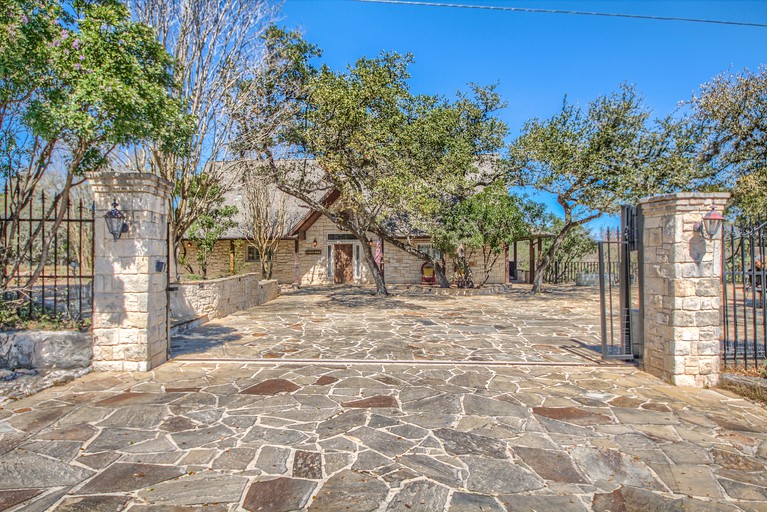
682,289
130,300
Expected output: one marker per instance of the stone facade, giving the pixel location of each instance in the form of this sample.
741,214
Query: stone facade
130,298
682,289
315,262
218,298
230,257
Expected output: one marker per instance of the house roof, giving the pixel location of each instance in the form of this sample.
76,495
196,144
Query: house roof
234,174
299,216
311,217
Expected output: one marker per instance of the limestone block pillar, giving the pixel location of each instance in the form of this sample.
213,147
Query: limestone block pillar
682,289
130,301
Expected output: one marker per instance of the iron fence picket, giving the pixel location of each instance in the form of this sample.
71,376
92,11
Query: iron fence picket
744,308
63,287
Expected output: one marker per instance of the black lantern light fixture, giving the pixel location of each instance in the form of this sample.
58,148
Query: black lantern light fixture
115,220
314,242
710,224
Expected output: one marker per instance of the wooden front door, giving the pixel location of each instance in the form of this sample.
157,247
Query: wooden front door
342,268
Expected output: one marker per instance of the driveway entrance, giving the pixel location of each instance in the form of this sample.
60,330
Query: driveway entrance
556,432
350,324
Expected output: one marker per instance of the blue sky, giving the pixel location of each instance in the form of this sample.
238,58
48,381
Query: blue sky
538,58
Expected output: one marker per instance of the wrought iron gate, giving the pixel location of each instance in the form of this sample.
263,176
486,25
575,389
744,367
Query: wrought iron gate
744,337
47,272
620,294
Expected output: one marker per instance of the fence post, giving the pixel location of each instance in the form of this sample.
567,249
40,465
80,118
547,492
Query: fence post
130,324
682,289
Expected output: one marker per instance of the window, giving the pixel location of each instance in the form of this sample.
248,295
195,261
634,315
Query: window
340,236
253,255
430,250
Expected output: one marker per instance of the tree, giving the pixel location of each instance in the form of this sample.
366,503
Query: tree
77,80
731,114
394,158
577,244
593,161
485,223
205,232
217,46
266,217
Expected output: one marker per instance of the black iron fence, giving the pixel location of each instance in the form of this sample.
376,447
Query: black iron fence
559,273
46,271
620,289
744,337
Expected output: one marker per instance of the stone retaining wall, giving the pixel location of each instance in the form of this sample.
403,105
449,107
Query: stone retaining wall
45,350
216,298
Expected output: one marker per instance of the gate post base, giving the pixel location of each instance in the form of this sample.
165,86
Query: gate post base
130,298
682,289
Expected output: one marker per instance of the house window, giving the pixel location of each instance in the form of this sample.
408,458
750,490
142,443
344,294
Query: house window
432,251
337,237
253,255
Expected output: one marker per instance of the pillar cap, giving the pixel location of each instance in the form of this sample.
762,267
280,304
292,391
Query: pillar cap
111,182
678,196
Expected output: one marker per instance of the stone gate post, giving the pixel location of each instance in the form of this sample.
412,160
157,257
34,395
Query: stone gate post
682,289
130,301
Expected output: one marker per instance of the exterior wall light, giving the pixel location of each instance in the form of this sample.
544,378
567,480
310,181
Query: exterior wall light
115,220
710,224
314,242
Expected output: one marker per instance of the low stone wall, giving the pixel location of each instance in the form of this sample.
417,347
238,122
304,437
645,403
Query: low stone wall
45,350
197,302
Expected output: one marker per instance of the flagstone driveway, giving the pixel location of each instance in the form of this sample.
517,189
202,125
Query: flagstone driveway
416,437
562,433
349,323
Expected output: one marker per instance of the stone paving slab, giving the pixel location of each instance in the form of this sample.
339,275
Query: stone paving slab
449,438
349,323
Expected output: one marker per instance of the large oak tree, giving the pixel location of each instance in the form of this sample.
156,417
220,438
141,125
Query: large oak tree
396,159
595,159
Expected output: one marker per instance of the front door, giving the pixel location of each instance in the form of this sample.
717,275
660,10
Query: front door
343,271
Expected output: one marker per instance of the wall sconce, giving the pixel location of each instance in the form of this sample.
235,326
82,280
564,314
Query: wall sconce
710,225
314,242
115,220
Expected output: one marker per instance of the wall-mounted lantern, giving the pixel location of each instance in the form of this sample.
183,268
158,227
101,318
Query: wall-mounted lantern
115,220
314,242
710,224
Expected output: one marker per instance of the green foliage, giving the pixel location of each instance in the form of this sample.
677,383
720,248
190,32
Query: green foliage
207,230
491,218
84,74
597,159
77,79
593,161
398,160
485,223
730,115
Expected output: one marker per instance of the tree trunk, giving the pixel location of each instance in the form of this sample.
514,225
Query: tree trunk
375,270
543,266
439,272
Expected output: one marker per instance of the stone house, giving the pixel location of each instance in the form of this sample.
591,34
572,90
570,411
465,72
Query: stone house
314,251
